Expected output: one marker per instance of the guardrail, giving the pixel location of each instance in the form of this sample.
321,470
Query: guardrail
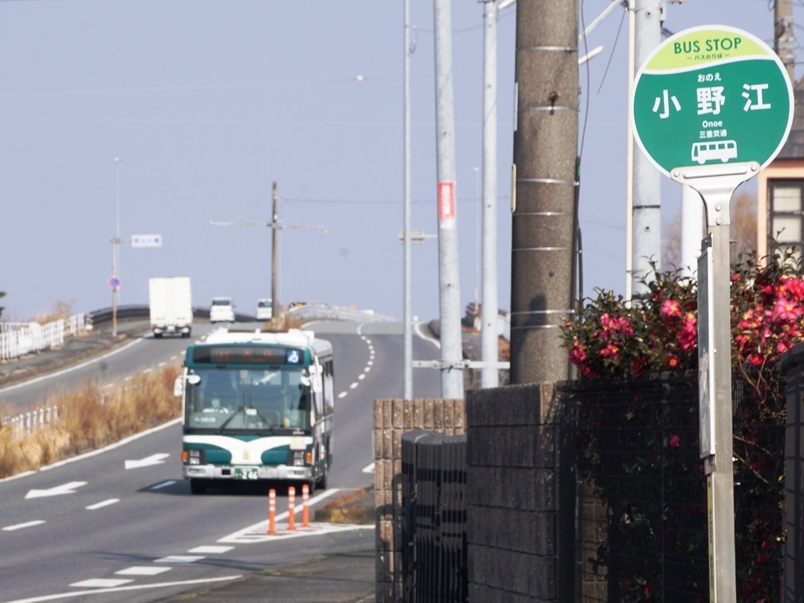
18,339
326,312
143,311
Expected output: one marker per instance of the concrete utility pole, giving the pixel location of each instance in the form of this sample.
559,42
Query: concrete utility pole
647,200
407,315
545,177
449,287
489,375
784,36
275,225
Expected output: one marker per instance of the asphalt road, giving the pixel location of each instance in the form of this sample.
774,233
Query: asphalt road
90,529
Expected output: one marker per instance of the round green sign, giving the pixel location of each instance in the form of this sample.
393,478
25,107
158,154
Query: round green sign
711,95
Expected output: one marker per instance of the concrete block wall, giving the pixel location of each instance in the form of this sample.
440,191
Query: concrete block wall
520,547
392,418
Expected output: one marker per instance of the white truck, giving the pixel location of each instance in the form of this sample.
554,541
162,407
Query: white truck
171,304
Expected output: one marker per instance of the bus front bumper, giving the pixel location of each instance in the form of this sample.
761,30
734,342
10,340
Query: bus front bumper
247,472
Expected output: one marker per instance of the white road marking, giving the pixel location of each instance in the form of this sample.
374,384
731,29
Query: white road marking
369,469
105,503
179,559
154,459
56,491
361,377
342,395
100,583
317,529
143,570
211,550
370,363
354,385
20,526
256,532
368,341
129,378
162,363
147,370
72,368
119,589
367,369
122,442
170,482
173,357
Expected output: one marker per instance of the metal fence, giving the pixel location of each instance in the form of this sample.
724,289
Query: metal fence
20,338
434,552
28,422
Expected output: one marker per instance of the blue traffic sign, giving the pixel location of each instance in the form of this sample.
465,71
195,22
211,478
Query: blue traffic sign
114,282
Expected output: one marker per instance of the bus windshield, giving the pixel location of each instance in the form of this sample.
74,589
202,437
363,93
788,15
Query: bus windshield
247,399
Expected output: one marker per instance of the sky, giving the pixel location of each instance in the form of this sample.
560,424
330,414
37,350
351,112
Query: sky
207,102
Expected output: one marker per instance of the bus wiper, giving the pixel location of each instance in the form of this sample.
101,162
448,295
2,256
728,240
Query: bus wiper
234,414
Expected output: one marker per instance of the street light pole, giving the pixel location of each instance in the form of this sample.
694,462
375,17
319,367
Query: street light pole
489,375
407,318
116,245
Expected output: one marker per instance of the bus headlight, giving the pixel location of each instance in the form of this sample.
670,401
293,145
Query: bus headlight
296,458
192,457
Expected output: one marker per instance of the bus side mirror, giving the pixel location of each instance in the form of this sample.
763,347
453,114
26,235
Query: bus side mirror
178,386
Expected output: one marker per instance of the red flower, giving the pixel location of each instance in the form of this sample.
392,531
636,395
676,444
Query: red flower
675,441
672,361
671,308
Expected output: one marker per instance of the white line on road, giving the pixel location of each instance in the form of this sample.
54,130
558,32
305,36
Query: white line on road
72,368
154,459
162,363
211,550
370,363
179,559
100,583
69,488
369,469
142,570
105,503
354,385
118,589
425,337
170,482
361,377
147,370
342,395
20,526
367,369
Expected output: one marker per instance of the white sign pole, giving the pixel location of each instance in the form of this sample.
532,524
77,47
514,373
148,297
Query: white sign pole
716,184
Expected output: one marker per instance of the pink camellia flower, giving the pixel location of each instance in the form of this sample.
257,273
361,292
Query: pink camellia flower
578,353
671,308
688,337
755,359
610,351
672,361
786,309
675,441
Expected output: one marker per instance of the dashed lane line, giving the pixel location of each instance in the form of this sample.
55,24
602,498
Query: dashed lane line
369,468
354,385
342,395
361,377
142,570
100,583
118,589
105,503
179,559
170,482
20,526
211,550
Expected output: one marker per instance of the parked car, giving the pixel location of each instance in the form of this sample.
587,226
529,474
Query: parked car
265,309
221,310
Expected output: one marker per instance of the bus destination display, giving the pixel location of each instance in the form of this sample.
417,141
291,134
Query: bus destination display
246,354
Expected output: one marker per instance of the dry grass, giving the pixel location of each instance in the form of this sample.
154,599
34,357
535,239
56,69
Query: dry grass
88,419
62,310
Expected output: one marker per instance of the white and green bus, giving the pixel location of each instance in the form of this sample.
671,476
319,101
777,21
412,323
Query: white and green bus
257,406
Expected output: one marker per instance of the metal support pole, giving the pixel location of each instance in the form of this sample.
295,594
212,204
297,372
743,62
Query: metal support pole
489,376
407,314
116,244
629,164
448,270
647,215
274,256
692,229
716,184
545,153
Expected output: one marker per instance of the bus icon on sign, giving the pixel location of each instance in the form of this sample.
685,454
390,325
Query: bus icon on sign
712,151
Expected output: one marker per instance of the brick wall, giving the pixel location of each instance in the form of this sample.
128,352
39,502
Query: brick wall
392,418
520,547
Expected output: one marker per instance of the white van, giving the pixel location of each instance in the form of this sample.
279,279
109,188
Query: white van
265,309
221,310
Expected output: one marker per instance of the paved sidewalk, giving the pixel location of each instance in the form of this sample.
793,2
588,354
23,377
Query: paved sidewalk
340,578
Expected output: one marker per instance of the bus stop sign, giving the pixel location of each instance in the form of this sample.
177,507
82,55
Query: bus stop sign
711,95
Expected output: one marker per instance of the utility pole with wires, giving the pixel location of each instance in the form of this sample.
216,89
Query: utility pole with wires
784,37
275,225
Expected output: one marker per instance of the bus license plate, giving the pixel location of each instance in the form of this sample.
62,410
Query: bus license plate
246,473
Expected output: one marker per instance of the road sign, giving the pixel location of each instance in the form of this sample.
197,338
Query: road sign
114,282
152,240
711,95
